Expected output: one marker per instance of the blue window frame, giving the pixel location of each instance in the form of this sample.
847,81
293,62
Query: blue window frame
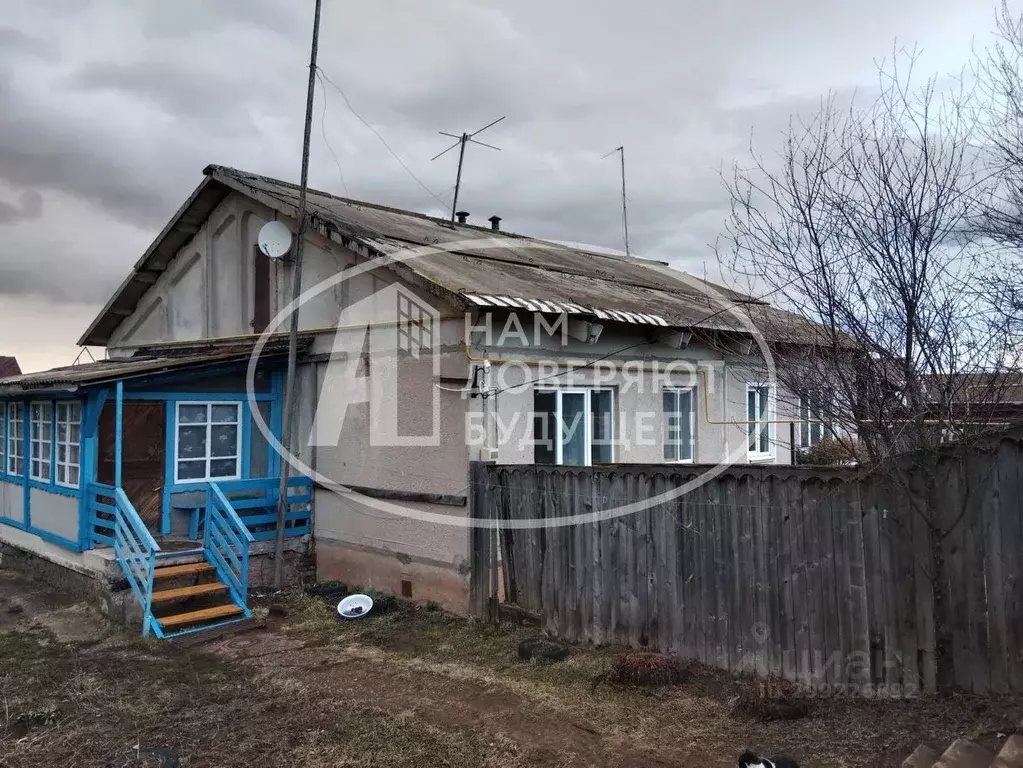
15,457
41,442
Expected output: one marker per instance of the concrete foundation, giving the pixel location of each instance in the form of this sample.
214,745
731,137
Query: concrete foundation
400,575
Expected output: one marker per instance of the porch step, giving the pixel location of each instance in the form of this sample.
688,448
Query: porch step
193,591
965,754
181,570
195,617
1011,755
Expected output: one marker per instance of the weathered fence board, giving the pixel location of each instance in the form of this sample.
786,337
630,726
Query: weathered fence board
823,577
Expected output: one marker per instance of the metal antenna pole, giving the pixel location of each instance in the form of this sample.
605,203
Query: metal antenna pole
458,178
290,399
625,208
460,142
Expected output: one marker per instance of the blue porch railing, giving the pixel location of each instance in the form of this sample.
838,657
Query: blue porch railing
226,542
135,549
255,501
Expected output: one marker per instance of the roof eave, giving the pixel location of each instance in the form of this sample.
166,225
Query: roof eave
153,262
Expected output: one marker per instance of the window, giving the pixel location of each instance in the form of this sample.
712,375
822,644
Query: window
758,416
813,424
41,416
573,426
15,439
69,432
3,438
415,327
679,423
207,442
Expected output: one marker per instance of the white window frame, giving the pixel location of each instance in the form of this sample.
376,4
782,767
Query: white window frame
587,392
807,420
3,439
15,436
209,428
62,439
692,425
755,424
41,407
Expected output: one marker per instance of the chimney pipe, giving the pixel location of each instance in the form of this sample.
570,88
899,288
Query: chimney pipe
462,216
495,222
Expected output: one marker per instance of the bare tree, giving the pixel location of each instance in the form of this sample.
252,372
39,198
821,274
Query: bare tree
999,74
863,225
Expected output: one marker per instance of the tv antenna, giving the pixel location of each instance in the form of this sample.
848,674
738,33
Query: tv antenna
625,209
460,142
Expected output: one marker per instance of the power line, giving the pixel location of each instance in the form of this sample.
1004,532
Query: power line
323,132
381,138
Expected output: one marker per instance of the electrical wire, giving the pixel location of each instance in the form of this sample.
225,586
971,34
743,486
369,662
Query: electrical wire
434,195
323,132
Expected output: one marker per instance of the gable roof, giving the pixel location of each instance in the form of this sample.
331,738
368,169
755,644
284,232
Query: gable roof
9,367
483,268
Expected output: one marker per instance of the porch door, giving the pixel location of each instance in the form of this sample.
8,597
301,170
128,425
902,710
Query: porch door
142,455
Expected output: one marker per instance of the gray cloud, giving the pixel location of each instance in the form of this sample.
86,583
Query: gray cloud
110,110
29,206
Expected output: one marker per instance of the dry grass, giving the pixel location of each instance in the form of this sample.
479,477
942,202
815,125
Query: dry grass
409,687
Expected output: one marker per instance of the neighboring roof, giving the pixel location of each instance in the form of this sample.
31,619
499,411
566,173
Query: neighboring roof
473,273
9,367
160,358
974,388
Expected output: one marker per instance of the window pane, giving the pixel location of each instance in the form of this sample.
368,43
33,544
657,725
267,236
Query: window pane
765,442
191,470
225,413
685,430
223,440
192,414
669,401
73,476
543,426
751,416
223,468
191,442
601,403
573,428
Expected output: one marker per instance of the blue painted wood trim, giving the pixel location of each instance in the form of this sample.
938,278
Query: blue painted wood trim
276,422
53,538
26,451
58,490
227,397
118,433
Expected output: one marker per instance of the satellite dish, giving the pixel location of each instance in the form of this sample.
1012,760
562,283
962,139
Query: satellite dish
274,239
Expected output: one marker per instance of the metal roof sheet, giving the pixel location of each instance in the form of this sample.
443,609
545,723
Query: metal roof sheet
480,261
146,361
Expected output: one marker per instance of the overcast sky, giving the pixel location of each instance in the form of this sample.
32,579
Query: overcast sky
110,109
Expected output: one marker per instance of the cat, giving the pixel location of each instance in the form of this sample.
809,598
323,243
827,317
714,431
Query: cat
748,760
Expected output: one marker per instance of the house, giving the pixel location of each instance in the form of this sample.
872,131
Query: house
9,366
422,347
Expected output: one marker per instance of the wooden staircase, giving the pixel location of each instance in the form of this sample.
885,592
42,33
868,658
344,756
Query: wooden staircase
963,753
190,596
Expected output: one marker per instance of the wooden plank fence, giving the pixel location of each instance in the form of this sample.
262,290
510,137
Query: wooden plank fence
818,576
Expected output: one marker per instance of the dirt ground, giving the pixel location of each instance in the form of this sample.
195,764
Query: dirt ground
406,687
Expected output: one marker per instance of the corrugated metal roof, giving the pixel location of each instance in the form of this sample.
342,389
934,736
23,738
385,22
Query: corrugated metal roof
151,360
481,262
557,308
